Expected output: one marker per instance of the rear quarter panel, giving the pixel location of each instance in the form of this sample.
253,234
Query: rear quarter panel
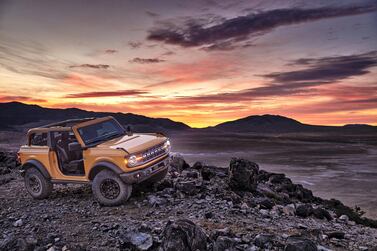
39,153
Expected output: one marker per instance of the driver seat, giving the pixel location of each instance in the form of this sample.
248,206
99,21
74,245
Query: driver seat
67,163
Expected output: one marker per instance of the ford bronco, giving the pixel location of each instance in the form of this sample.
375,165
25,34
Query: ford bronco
92,150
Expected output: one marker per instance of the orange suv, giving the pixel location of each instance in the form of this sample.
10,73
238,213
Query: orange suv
92,150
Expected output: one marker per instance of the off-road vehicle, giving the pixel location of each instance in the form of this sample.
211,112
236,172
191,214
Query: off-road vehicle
99,151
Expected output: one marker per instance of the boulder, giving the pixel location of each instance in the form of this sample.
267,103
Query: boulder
136,240
187,187
208,173
190,174
177,163
277,178
183,235
266,203
300,244
224,243
243,175
289,209
336,235
321,213
197,165
261,240
304,210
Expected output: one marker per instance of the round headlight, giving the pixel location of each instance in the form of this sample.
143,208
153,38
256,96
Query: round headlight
167,145
132,160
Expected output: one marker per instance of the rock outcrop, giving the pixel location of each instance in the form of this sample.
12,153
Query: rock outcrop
195,208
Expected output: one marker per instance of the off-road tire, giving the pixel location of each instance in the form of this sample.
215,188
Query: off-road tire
36,184
109,189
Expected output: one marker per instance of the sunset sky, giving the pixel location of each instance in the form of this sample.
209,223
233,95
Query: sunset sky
201,62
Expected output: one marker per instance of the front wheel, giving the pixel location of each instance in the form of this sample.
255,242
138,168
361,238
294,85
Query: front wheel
109,189
36,184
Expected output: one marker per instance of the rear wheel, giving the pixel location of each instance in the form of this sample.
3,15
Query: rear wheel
36,184
109,189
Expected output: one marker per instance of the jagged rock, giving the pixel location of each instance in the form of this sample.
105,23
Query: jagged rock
183,235
344,218
187,187
304,210
300,244
321,213
5,180
267,191
243,175
155,200
208,215
223,243
18,223
261,240
190,174
336,234
197,165
266,203
322,248
208,173
277,178
11,242
136,240
177,163
289,209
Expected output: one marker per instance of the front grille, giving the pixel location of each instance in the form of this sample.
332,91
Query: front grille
154,152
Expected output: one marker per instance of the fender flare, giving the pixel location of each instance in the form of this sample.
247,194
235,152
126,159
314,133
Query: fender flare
104,165
35,163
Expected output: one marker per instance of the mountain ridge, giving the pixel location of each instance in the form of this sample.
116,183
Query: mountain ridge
10,117
267,123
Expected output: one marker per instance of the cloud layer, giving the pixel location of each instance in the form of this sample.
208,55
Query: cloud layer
228,32
146,60
116,93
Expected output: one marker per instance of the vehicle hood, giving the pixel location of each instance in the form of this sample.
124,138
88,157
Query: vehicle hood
135,143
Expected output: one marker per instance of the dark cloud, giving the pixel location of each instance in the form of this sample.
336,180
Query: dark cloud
168,53
106,94
134,45
92,66
316,72
226,33
327,69
162,83
21,99
152,14
111,51
146,60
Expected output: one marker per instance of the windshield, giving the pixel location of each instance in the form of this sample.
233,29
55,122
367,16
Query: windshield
101,131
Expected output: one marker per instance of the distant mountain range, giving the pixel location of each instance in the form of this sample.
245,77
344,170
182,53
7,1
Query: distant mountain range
279,124
20,116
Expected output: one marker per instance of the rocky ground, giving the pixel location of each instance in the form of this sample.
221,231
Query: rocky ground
196,207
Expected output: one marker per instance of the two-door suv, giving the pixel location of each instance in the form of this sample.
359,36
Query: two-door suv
92,150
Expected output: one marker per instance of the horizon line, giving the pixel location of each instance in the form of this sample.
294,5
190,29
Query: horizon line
47,107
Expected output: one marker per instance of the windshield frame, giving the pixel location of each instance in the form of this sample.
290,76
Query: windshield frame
107,137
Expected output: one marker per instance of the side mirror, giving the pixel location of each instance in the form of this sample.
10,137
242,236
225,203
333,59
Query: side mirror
74,147
129,131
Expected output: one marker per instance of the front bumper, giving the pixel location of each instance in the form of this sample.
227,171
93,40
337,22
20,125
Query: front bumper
146,173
